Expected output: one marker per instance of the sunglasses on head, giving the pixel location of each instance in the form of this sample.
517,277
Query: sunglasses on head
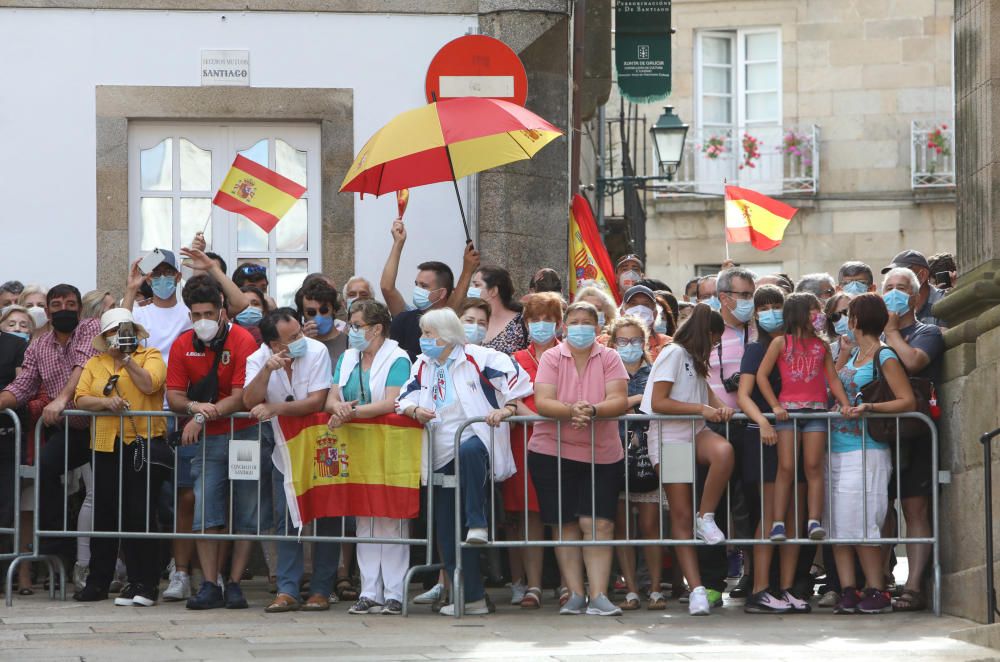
253,270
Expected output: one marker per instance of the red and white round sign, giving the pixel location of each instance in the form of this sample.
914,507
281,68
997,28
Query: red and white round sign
477,66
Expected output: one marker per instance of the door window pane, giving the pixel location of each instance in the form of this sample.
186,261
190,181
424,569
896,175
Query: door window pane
194,218
762,107
156,229
196,167
292,232
717,80
717,50
290,274
717,110
249,236
156,167
257,153
762,46
290,162
762,77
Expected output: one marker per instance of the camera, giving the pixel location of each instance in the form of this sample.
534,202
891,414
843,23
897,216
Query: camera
732,383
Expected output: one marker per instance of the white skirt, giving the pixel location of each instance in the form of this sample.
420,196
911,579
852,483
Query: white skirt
857,489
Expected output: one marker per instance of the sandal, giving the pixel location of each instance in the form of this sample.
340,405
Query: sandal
316,602
25,591
631,602
911,601
656,602
282,603
532,598
345,589
564,595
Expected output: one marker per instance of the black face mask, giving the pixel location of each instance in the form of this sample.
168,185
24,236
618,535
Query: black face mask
65,321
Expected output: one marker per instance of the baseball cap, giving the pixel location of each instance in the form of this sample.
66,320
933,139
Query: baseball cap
631,257
908,258
638,289
169,259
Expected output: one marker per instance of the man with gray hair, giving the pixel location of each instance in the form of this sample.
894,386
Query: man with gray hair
357,288
855,277
822,285
9,292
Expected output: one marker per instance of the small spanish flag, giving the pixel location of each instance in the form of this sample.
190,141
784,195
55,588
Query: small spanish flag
366,468
756,218
260,194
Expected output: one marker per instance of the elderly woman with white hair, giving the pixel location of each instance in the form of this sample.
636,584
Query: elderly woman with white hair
607,311
451,382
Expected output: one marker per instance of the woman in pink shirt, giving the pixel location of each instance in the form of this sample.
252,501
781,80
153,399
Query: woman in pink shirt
806,367
577,382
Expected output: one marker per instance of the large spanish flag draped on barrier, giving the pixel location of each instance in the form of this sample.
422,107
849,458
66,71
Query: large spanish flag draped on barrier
755,218
367,468
590,262
260,194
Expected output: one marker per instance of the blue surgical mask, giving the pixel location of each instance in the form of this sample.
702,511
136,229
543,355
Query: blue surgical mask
601,320
356,339
630,354
660,326
855,287
297,348
771,320
713,303
324,324
581,336
897,301
542,332
743,310
250,316
163,286
21,334
421,298
850,335
840,326
474,293
430,348
474,333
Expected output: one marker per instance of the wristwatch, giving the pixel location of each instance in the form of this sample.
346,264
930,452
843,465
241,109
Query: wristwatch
190,407
354,409
199,419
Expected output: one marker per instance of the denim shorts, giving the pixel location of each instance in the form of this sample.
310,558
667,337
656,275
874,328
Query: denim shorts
804,425
211,487
184,456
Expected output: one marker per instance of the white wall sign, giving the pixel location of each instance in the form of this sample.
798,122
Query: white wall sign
225,67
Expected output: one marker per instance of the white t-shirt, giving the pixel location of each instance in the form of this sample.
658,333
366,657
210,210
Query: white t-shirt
163,325
675,365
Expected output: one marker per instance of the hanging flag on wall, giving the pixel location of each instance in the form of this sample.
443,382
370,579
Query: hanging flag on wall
755,218
642,49
590,263
260,194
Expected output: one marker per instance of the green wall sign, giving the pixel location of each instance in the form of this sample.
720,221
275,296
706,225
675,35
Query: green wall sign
642,49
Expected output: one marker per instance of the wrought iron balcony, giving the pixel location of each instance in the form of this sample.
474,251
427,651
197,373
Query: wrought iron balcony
932,155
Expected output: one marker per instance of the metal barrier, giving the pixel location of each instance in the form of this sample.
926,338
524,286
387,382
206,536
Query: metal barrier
991,594
149,531
696,422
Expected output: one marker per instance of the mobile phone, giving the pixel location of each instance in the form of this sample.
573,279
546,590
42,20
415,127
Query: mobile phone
943,279
150,261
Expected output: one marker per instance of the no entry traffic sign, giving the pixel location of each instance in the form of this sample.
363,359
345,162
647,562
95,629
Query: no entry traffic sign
477,66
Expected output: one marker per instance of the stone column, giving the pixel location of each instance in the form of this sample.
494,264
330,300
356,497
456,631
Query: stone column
971,390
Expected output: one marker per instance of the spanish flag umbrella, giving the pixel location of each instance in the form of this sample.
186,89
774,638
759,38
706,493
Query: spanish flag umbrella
445,141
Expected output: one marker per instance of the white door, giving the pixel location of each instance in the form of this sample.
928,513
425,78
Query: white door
175,170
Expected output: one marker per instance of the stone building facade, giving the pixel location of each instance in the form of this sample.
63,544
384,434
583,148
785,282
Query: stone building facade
843,97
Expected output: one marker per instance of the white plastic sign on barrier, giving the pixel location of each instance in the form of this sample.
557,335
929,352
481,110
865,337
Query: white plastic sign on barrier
244,459
676,465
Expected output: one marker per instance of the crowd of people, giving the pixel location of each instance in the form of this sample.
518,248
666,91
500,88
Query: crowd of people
781,353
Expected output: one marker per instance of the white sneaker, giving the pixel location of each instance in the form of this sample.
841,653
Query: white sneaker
698,605
428,597
477,537
708,530
179,588
517,591
477,608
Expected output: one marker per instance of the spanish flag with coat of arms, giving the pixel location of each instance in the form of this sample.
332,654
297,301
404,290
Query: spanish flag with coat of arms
590,263
368,468
755,218
258,193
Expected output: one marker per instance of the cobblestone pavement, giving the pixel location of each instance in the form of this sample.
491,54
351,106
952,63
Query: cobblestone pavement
39,629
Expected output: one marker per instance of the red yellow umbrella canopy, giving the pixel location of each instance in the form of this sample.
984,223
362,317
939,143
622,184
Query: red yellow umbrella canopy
445,141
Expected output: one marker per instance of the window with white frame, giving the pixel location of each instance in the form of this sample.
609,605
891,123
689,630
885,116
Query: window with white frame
175,170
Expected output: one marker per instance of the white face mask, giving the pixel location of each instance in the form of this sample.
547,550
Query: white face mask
642,312
206,329
38,315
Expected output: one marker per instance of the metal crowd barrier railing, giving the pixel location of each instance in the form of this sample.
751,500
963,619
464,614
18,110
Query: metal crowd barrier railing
262,534
12,533
630,540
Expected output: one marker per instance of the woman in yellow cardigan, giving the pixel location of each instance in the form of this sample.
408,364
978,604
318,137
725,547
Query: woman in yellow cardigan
124,377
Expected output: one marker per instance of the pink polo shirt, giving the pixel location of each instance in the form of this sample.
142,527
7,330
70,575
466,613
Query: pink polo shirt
557,367
734,341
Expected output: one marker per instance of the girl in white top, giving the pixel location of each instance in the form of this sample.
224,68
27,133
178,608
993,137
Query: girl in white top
678,386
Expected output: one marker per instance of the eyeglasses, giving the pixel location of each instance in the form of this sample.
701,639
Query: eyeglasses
625,342
312,312
835,317
744,296
827,293
357,327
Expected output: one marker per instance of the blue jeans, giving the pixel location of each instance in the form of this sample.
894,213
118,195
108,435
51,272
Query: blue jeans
475,465
210,471
291,564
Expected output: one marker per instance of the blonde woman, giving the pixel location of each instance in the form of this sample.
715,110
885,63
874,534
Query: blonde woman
607,311
33,299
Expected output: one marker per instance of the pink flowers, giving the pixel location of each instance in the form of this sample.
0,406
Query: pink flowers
799,146
751,151
939,142
714,147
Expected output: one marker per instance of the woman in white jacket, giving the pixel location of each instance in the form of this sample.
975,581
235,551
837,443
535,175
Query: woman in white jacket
366,383
451,382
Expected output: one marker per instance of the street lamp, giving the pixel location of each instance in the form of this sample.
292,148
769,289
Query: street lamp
668,134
